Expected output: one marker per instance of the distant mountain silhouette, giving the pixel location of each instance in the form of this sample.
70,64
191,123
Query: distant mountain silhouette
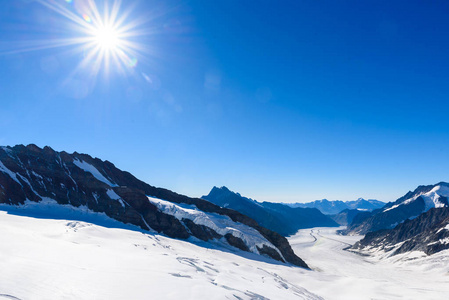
278,217
334,207
346,216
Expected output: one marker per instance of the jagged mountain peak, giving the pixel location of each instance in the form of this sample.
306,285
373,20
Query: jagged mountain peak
433,196
224,192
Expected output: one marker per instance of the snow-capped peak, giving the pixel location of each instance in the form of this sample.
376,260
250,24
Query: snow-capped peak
431,198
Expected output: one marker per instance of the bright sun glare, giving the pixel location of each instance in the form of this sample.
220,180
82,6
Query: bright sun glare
107,38
104,35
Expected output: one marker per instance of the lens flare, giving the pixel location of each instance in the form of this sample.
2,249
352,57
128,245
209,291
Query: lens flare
132,62
87,18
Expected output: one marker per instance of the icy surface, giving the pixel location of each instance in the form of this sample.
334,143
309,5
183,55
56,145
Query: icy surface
92,170
221,224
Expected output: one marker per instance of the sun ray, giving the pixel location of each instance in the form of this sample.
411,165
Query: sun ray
103,34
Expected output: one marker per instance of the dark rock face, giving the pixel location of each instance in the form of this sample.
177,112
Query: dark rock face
200,231
269,252
278,217
236,242
31,173
428,233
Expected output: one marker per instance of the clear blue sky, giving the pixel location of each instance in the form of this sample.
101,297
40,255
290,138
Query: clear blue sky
278,100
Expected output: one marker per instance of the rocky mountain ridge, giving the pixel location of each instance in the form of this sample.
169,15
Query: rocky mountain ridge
409,206
428,233
29,173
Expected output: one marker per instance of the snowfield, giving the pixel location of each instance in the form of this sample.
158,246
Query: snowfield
89,256
45,258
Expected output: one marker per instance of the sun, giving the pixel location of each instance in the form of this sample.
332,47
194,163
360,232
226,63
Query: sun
105,35
107,38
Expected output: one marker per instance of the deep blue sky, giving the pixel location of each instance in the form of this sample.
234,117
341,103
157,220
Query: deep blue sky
278,100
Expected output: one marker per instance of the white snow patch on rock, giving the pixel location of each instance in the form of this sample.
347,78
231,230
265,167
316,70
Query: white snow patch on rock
92,170
113,195
11,174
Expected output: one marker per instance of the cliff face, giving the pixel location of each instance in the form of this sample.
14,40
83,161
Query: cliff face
29,173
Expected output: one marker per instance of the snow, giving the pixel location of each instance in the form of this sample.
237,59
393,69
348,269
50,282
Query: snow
92,170
221,224
48,258
37,175
114,196
60,252
341,274
96,196
431,198
444,241
6,149
29,184
11,174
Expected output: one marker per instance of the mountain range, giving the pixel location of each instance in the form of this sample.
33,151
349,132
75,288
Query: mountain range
29,174
334,207
278,217
418,221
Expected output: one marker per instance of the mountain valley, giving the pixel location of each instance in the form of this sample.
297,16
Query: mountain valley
114,236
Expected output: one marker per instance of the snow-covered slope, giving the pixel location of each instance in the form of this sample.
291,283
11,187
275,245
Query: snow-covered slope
46,258
43,257
436,197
